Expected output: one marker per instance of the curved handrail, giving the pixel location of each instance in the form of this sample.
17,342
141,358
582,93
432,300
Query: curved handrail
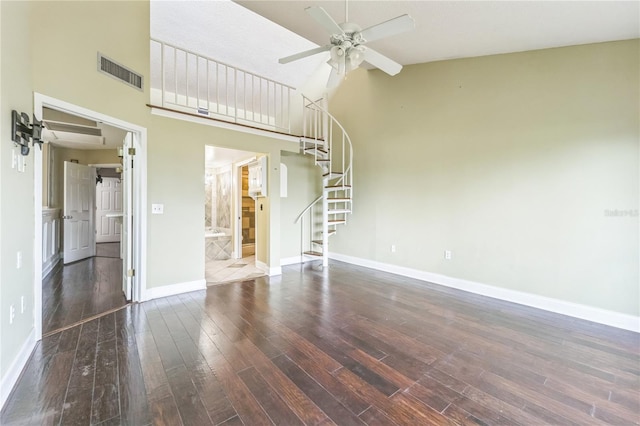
307,208
344,132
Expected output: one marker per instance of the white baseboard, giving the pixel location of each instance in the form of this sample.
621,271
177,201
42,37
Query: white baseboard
50,265
297,259
15,369
173,289
589,313
267,270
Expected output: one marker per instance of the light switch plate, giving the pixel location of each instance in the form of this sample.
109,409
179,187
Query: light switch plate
157,208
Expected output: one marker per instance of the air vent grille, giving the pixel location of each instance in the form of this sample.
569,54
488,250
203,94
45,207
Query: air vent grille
57,126
124,74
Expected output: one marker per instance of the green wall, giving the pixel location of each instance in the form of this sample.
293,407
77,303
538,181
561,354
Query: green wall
16,189
304,186
60,61
511,162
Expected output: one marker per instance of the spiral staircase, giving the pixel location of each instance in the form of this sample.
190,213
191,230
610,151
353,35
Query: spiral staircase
328,143
190,83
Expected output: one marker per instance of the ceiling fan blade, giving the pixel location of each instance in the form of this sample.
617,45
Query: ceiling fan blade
388,28
334,79
323,18
304,54
382,62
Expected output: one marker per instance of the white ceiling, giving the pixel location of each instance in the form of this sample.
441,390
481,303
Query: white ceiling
444,29
459,29
113,136
218,157
231,34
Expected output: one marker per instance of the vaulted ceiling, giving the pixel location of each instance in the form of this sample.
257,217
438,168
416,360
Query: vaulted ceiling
444,29
460,29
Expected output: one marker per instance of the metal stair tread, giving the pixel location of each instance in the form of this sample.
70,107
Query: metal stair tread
332,174
338,187
337,221
308,139
315,148
313,253
339,200
319,242
339,211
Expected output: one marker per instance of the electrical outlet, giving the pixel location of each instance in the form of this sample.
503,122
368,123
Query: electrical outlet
447,254
22,304
12,314
19,260
393,248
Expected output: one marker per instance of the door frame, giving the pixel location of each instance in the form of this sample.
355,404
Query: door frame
237,202
139,192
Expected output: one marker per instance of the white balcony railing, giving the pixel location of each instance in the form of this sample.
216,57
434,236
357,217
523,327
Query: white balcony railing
187,81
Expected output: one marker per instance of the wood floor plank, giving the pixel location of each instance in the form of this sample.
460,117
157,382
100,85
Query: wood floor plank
320,397
245,404
339,390
209,389
106,398
276,408
164,412
339,352
191,408
155,377
374,417
133,409
342,345
49,405
78,401
80,290
301,405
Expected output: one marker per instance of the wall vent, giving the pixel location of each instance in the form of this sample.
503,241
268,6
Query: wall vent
122,73
58,126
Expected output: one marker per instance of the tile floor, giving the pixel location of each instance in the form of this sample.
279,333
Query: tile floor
225,271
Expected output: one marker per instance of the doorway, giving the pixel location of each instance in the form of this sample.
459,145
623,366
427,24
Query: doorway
248,216
109,209
230,236
113,274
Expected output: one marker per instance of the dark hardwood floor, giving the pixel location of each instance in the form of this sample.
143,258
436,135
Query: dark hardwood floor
83,289
345,346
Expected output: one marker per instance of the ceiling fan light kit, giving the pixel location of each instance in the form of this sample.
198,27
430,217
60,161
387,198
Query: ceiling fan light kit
346,49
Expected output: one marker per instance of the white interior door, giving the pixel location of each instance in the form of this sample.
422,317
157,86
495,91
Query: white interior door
79,212
126,245
108,204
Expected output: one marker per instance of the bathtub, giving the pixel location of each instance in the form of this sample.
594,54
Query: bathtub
217,244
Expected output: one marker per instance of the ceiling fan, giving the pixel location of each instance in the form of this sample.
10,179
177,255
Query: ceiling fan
347,43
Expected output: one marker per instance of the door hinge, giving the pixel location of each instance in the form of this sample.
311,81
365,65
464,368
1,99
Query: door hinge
132,151
131,273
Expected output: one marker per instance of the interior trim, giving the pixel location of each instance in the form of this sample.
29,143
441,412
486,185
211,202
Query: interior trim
589,313
173,289
15,369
